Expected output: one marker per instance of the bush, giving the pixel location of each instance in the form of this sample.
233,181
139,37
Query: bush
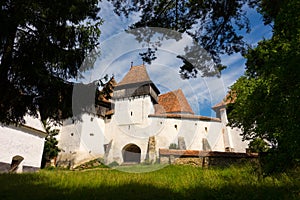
113,164
173,146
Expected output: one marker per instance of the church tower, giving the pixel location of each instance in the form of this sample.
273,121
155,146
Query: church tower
134,97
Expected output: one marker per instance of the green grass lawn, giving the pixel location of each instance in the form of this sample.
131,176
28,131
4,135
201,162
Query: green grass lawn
170,182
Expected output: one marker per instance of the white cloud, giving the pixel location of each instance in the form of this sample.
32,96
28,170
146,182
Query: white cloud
119,49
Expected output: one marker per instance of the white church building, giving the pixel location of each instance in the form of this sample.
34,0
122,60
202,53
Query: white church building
138,121
22,146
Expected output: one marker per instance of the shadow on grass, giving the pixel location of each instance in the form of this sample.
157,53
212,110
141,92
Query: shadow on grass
26,186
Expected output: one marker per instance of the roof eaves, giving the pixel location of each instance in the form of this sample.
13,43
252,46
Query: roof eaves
185,116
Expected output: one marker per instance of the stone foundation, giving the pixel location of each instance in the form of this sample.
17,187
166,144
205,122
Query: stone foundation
204,158
188,161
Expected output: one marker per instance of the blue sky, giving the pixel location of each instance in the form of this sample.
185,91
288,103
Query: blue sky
118,49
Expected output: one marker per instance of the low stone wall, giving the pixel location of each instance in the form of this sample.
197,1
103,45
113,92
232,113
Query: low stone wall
6,168
204,158
188,161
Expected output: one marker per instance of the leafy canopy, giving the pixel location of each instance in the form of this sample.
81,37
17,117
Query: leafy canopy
42,45
51,149
267,104
216,26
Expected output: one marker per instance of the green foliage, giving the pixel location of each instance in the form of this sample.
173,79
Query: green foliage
258,145
173,146
113,164
171,182
50,168
140,168
212,24
42,45
51,149
268,95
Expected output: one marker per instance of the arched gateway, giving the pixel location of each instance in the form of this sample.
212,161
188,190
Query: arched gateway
131,153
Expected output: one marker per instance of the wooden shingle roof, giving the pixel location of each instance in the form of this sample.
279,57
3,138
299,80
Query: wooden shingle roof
173,102
136,74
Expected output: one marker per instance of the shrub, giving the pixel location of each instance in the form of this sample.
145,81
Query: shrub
173,146
113,164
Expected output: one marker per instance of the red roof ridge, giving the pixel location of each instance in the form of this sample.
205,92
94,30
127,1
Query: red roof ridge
173,102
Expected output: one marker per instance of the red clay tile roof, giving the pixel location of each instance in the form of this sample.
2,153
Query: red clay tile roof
159,109
173,102
136,74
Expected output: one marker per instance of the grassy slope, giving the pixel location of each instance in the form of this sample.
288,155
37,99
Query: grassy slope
171,182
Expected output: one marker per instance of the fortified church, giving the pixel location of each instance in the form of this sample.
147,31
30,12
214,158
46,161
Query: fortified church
138,121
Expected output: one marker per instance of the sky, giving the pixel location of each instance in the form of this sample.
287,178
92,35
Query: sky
118,49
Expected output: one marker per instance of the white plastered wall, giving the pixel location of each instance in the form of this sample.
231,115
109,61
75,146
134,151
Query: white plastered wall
125,129
22,141
129,125
83,139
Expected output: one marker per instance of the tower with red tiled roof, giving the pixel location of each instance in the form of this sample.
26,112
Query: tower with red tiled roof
134,97
136,83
